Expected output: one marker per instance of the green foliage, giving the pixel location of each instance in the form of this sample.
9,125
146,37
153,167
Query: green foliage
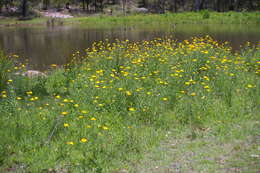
56,83
121,99
205,14
24,84
6,65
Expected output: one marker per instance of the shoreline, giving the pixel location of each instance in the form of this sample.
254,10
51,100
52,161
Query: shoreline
143,19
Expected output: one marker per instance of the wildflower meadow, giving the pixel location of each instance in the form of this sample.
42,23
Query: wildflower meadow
114,102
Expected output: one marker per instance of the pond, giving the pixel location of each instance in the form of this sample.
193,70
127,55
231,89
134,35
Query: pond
44,46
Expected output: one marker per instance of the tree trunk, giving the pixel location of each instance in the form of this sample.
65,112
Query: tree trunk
183,2
197,5
95,5
123,6
88,5
175,6
144,3
83,4
24,8
201,4
45,4
238,5
217,5
101,5
1,6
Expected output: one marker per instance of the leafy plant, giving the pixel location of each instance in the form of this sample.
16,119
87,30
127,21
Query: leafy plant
56,83
6,66
205,14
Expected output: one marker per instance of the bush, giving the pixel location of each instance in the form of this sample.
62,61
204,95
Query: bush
205,14
56,82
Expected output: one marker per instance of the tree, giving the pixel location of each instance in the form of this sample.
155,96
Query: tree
24,8
1,5
197,5
46,4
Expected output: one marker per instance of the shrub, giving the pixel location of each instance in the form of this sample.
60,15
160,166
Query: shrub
56,82
205,14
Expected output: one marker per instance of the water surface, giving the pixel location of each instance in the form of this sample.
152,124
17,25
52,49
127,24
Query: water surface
53,45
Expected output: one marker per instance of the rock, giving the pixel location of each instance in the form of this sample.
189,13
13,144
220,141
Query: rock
32,73
140,10
57,15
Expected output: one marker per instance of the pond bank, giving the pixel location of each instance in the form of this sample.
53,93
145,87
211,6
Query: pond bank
153,19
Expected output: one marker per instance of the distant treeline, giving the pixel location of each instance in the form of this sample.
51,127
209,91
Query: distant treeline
154,6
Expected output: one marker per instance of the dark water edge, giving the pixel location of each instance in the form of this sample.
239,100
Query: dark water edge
44,46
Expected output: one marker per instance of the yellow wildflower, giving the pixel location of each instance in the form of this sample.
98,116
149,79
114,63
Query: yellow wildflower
193,94
18,98
57,96
128,93
165,99
131,109
64,113
84,112
29,92
83,140
70,143
104,127
66,125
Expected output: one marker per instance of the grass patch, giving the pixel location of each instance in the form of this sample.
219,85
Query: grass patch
203,17
102,111
209,151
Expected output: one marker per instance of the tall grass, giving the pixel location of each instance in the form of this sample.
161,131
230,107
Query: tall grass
204,17
6,65
100,113
101,20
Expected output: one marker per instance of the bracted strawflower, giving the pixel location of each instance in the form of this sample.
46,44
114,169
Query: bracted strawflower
29,92
187,83
83,140
64,113
128,93
250,86
148,93
84,112
120,89
57,97
70,143
193,94
66,125
65,100
165,99
18,98
104,127
131,109
183,92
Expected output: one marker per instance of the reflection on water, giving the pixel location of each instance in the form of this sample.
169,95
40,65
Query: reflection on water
45,46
